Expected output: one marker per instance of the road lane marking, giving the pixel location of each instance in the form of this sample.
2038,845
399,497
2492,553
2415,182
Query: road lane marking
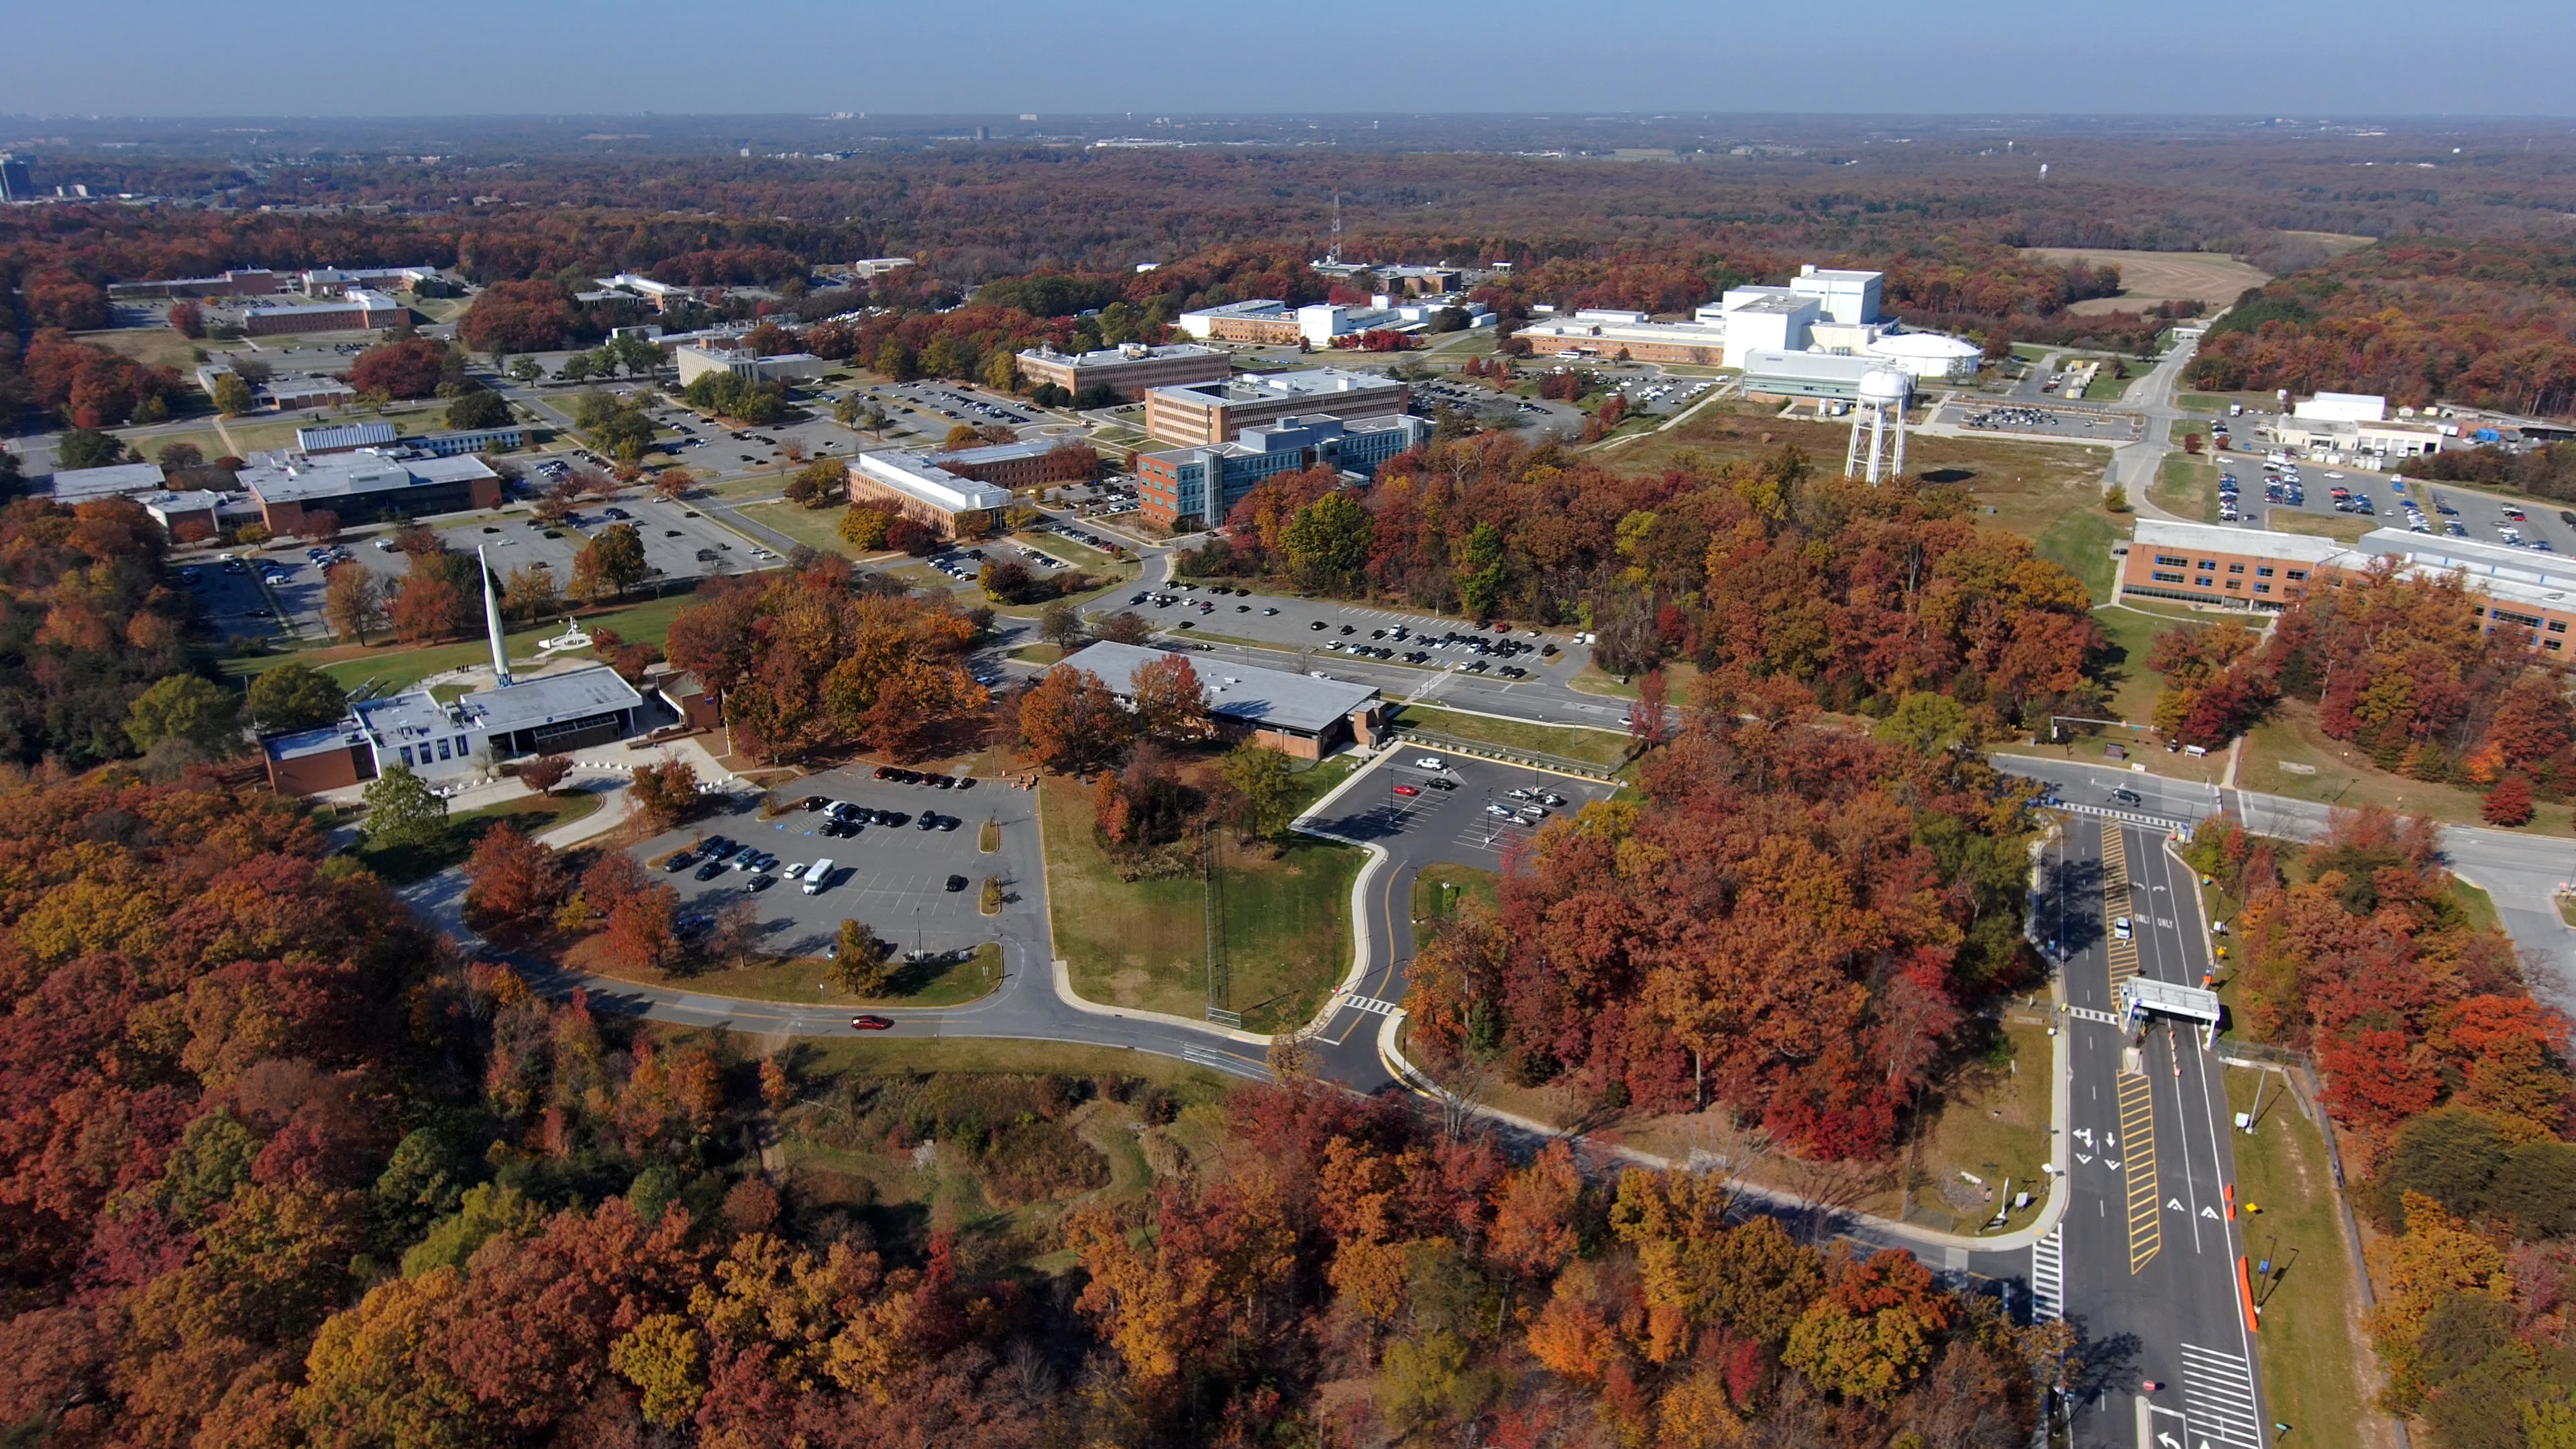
2218,1394
2138,1129
1224,1062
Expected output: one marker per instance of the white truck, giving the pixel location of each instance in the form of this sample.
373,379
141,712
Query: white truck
817,876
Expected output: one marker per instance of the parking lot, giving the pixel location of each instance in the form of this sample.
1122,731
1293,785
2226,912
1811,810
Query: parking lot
2265,492
2081,424
679,542
1464,811
1331,630
895,878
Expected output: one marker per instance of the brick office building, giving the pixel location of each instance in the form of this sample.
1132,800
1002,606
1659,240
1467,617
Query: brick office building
1206,414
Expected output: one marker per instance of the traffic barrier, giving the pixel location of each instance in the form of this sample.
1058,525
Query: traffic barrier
2245,1288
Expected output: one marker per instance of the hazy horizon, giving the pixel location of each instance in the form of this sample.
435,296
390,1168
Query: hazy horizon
2489,59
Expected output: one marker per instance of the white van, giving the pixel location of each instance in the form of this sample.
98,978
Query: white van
817,876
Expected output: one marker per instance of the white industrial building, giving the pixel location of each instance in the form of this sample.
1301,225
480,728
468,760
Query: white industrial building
1927,356
2342,407
696,362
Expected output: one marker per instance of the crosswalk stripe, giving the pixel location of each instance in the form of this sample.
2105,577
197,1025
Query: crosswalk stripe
2048,1276
1371,1003
2138,1143
2218,1394
2086,1013
1223,1062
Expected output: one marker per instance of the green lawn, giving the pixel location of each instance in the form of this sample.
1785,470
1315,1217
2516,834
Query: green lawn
1284,933
396,669
1606,748
2134,687
2308,1348
2477,906
2080,543
532,814
2187,489
816,528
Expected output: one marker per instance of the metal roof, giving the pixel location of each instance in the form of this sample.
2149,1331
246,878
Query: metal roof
1237,691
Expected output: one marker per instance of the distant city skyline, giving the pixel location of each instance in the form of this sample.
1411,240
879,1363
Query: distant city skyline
161,58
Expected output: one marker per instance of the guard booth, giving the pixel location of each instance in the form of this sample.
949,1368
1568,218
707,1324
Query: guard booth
2141,996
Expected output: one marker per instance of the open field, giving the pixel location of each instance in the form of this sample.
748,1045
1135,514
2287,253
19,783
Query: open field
1284,934
154,347
2147,278
1605,748
2336,243
2310,1348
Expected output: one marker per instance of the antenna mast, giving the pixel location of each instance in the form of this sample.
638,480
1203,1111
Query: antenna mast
1334,253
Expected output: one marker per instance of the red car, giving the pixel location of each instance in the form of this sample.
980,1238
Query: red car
1406,790
871,1023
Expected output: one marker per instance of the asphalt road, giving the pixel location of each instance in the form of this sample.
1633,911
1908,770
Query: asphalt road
2521,873
2145,1261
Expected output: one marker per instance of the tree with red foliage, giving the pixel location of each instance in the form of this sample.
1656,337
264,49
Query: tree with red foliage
430,607
545,772
188,318
2509,803
535,316
410,368
512,878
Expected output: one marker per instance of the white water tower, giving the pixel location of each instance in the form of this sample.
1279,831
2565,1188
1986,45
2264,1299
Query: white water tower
1878,413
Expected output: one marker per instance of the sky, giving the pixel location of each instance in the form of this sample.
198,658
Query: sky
2356,58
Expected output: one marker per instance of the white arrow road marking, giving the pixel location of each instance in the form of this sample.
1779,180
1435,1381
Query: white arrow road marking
2209,1212
2107,1162
2167,1440
2174,1203
2086,1158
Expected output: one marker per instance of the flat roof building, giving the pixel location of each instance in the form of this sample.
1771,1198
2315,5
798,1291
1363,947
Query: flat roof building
116,480
2350,407
1127,371
1845,296
445,741
1205,414
926,493
867,267
1027,464
1265,320
356,487
2530,595
357,310
697,361
344,438
1824,377
240,282
1599,332
1298,714
1178,486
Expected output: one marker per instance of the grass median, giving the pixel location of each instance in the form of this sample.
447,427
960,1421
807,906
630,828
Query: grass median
1606,748
1283,922
808,980
531,814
